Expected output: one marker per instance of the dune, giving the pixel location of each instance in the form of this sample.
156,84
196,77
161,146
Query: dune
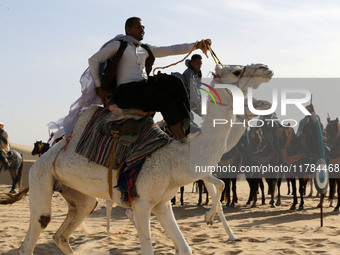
25,150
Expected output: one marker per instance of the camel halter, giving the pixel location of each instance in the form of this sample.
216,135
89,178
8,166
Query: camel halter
218,80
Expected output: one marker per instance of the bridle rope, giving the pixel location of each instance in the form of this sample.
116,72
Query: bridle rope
173,64
206,45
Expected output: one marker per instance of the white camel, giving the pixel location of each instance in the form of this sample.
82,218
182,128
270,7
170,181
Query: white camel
170,167
234,136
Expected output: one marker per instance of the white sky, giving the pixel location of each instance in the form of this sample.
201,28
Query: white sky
45,46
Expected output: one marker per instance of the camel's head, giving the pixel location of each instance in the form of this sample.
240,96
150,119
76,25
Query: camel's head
37,147
244,76
229,73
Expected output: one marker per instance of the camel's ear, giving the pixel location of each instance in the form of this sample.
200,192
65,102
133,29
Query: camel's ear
337,120
328,119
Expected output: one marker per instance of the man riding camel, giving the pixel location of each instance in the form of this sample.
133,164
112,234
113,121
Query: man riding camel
135,88
128,83
4,146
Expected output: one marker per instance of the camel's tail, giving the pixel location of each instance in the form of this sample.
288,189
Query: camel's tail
12,198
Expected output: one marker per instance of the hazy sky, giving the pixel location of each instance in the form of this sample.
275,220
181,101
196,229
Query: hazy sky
45,46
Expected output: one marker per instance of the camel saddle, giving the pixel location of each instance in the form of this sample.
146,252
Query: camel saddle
122,133
131,127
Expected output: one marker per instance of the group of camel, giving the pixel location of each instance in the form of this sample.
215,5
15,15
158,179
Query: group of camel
279,145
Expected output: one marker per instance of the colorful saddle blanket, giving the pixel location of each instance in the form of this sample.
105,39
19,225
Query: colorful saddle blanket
129,151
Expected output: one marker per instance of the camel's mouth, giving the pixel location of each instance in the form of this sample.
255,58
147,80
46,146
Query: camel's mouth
271,73
264,71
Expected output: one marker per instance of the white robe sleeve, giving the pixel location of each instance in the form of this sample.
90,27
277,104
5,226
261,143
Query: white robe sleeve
176,49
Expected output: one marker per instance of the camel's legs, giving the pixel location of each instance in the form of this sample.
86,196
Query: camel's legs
233,188
331,191
336,209
302,187
278,201
165,216
109,204
142,211
41,190
215,194
210,184
79,207
14,180
182,194
311,187
294,193
128,213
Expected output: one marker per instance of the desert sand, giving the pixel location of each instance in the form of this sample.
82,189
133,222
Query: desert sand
262,230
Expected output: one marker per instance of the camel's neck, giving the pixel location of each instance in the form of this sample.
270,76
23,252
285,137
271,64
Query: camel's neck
208,147
265,154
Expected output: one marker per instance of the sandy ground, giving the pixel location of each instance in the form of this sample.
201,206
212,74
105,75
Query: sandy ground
262,230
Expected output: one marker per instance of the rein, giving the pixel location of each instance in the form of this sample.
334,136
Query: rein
173,64
216,77
213,54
